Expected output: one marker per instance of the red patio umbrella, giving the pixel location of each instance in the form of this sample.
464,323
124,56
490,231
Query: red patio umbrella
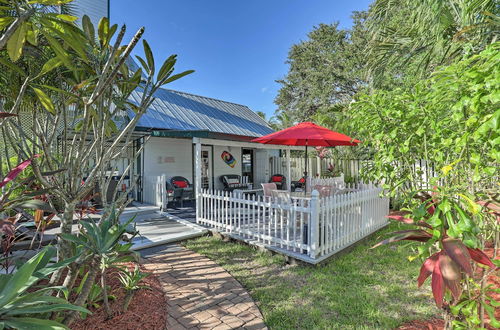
307,134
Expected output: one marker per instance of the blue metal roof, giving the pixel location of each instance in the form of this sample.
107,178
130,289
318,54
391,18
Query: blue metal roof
183,111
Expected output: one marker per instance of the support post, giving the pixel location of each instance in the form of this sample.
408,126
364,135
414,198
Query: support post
162,187
318,166
288,171
314,225
197,175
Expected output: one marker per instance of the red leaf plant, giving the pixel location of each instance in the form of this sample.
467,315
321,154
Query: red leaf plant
446,266
16,171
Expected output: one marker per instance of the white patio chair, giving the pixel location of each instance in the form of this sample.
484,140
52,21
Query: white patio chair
268,189
324,191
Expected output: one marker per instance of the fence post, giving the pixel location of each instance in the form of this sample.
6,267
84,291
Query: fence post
197,176
314,224
163,191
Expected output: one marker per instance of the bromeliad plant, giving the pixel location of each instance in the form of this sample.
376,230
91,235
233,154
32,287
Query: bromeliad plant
130,281
448,227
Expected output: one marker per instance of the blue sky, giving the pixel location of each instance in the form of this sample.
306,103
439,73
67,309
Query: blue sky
238,48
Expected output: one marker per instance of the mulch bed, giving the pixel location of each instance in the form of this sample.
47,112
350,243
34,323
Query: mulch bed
438,323
147,310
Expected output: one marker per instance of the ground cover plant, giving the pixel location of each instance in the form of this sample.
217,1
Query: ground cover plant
361,289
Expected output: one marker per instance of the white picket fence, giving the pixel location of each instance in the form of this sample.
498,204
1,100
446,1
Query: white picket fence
310,229
154,190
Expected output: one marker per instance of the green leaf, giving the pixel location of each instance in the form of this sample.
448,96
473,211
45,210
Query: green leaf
48,308
71,36
67,18
15,284
36,204
12,66
50,65
45,100
176,76
16,42
5,21
31,35
491,313
103,31
166,68
143,63
88,28
445,206
59,50
149,57
34,324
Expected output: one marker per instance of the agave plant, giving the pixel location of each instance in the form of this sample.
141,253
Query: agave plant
23,308
102,243
450,243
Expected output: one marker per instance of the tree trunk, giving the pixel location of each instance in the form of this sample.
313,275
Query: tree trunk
105,294
84,294
66,228
64,247
70,279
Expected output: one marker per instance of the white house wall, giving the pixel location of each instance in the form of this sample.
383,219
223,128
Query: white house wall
172,157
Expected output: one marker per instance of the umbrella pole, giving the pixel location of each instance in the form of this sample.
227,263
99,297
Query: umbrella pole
305,172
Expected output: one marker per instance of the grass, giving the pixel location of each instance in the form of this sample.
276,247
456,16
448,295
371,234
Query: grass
358,289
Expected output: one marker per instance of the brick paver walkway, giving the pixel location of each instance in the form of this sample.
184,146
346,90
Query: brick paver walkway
202,295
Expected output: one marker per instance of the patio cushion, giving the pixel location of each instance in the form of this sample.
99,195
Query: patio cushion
302,180
276,178
232,181
180,184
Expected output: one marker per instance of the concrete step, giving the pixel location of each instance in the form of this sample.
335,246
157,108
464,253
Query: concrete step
162,230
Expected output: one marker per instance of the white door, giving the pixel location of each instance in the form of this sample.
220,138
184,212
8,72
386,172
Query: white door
206,167
261,170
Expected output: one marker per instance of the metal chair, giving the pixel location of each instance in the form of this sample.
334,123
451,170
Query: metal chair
279,180
232,182
183,189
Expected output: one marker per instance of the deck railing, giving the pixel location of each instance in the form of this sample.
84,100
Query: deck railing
310,229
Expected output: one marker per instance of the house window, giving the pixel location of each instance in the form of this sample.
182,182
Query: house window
247,164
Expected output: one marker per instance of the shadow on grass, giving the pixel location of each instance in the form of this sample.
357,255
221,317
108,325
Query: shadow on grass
360,288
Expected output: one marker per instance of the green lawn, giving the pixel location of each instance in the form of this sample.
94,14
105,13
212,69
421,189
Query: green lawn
362,289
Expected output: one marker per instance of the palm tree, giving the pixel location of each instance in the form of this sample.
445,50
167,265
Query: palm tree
281,120
428,33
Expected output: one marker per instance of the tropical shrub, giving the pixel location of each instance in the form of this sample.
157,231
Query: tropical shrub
443,133
447,227
23,305
451,120
101,243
